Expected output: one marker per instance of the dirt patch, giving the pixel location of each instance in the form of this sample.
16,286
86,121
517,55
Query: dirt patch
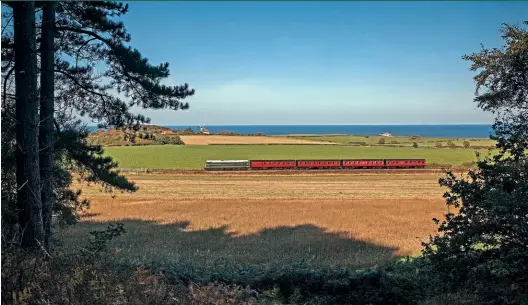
218,139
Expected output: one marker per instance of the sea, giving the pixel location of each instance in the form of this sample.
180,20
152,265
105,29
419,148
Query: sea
445,131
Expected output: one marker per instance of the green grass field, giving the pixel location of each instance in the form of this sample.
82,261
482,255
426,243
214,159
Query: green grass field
194,156
407,141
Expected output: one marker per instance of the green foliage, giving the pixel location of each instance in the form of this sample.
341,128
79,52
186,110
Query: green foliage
88,34
466,144
100,238
484,244
415,145
451,144
394,142
74,278
168,139
188,131
381,141
90,162
403,282
72,155
90,277
482,247
438,144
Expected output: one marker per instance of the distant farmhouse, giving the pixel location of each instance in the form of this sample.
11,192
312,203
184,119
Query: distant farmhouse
203,130
386,134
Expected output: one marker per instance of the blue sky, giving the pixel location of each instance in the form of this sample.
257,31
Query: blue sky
320,62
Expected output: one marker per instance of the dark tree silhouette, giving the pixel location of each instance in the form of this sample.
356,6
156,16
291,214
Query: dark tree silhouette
76,38
29,204
484,246
47,109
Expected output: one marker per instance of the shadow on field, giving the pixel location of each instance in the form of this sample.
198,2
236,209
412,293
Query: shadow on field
152,242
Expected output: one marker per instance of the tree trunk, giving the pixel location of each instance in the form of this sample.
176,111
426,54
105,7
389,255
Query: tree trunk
27,153
47,109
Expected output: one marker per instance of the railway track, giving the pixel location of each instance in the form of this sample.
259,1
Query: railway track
286,172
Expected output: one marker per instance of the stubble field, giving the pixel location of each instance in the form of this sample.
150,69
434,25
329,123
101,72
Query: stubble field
248,140
215,222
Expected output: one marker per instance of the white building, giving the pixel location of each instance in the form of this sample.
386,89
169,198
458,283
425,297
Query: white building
203,130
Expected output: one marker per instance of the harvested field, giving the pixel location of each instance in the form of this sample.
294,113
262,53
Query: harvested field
222,139
399,140
248,220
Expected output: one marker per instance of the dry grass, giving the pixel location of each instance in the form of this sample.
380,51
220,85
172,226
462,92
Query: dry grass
222,139
331,219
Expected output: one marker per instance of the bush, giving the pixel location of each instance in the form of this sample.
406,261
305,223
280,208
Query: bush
466,144
415,145
188,131
415,138
482,248
91,277
381,141
394,142
451,144
171,140
228,133
438,144
399,282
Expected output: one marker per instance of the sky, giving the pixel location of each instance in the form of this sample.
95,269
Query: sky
320,62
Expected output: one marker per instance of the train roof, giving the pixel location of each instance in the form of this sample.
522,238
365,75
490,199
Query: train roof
227,161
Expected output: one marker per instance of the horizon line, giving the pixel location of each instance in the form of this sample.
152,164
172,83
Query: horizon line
321,124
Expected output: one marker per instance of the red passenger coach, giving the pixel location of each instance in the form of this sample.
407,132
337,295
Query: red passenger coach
318,163
404,163
372,163
262,164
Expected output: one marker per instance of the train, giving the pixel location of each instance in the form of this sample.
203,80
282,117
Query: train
342,164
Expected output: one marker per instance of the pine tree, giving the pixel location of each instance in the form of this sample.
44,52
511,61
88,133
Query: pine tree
47,115
85,34
29,203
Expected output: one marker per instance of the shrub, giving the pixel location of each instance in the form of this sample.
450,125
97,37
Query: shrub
451,144
415,145
187,131
394,142
91,277
166,139
381,141
438,144
228,133
415,138
466,144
